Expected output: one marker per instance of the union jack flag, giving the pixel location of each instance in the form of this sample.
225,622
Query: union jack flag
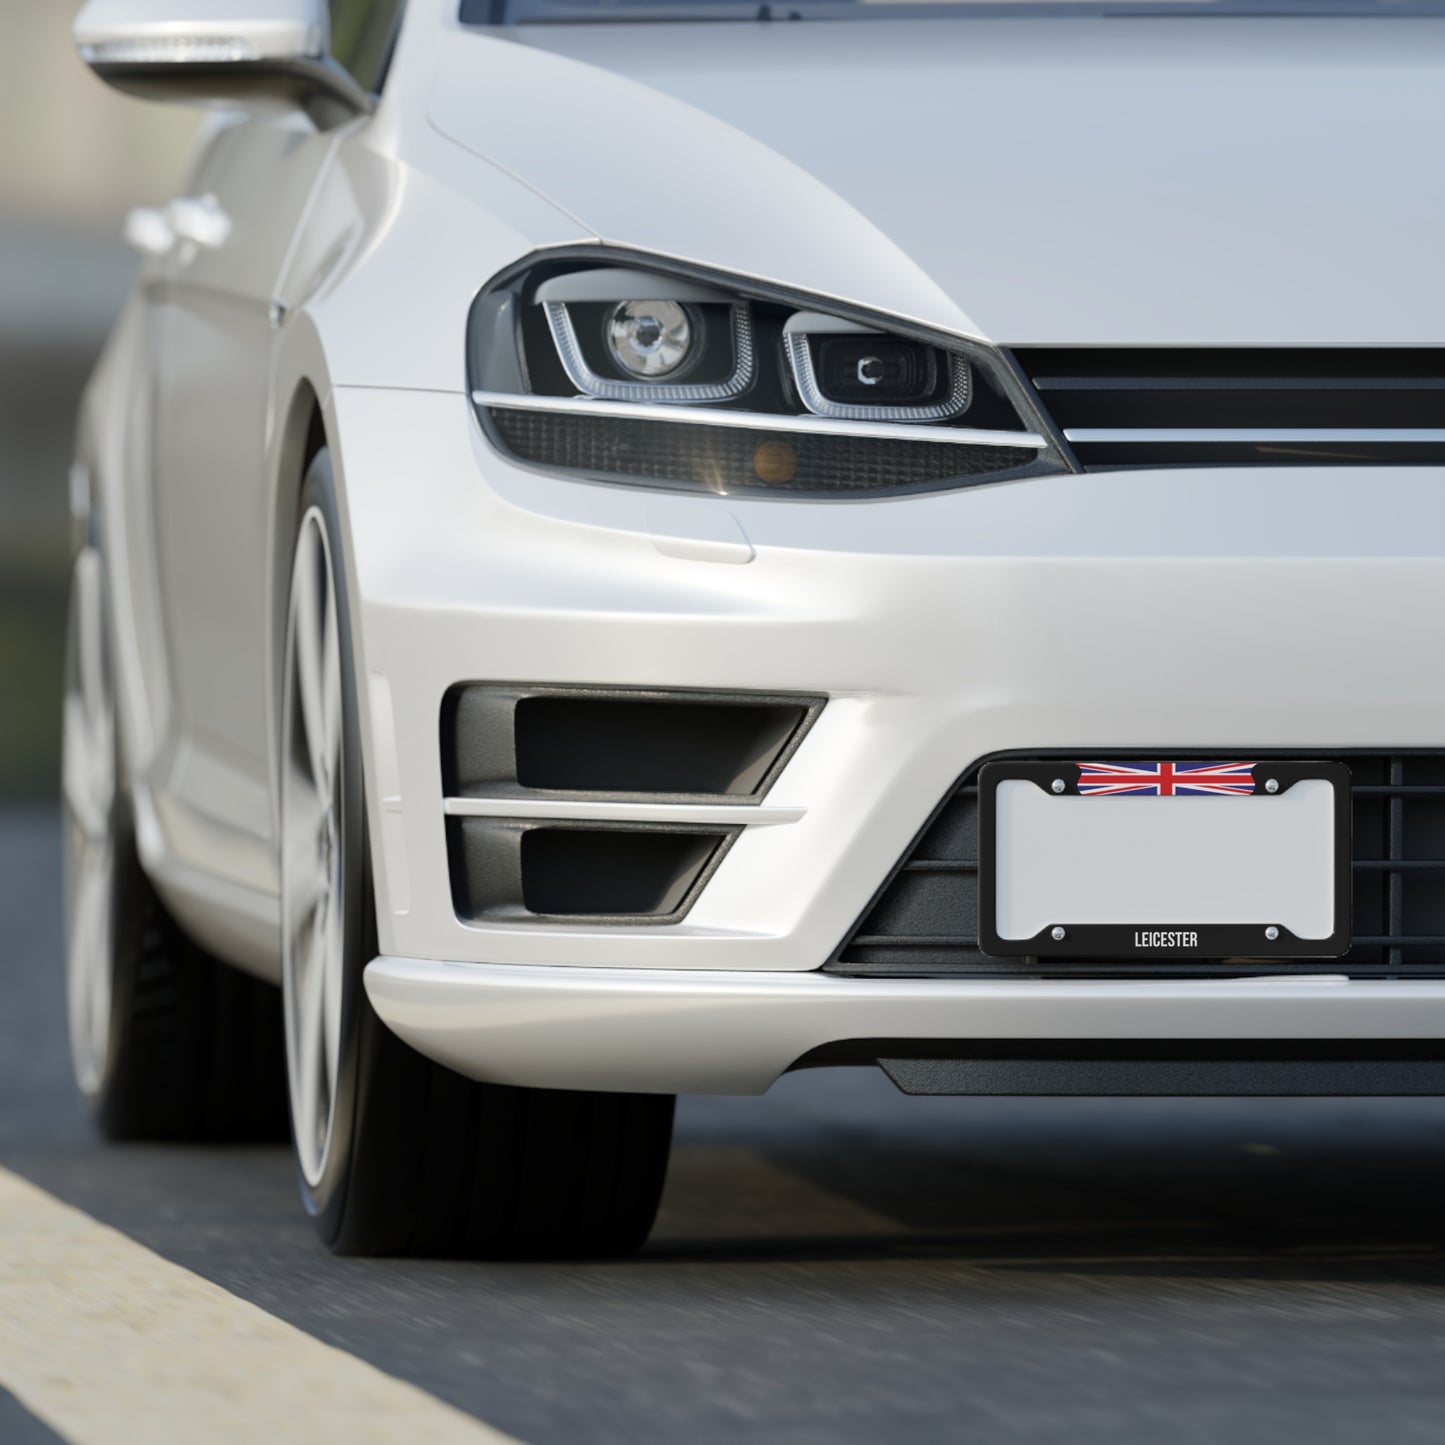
1167,780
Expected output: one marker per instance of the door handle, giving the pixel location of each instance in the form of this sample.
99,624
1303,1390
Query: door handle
149,232
199,220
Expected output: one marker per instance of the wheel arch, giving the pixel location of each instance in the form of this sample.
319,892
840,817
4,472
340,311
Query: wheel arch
307,424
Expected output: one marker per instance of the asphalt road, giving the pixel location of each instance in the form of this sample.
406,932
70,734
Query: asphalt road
838,1263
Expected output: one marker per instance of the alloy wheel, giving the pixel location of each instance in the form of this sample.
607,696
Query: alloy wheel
312,828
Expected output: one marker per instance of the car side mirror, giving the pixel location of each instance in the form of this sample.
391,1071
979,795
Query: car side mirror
243,53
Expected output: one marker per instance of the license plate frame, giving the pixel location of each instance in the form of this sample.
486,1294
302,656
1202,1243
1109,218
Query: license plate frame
1176,938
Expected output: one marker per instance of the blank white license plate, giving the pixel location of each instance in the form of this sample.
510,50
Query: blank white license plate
1175,858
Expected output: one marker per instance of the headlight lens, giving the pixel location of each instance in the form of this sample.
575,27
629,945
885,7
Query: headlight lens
638,376
877,368
649,338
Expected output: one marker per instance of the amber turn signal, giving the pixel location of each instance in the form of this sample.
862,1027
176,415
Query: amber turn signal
776,462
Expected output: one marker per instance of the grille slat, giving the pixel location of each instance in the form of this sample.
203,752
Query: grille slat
1398,941
1385,790
1395,865
1131,406
924,921
943,940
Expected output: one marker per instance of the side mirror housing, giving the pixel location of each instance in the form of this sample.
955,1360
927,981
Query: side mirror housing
244,53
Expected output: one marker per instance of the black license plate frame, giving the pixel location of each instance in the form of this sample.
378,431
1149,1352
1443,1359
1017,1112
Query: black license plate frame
1174,940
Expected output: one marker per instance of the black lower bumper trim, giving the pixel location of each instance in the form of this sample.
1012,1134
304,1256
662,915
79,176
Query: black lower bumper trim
1100,1068
1104,1078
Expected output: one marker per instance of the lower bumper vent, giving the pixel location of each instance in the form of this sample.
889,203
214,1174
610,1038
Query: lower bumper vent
508,869
621,743
602,804
924,922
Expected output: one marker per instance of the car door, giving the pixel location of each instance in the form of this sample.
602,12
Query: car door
216,331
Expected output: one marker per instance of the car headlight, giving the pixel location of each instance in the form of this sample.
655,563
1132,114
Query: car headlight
649,338
640,375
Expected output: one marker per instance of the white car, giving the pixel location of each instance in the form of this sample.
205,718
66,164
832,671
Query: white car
629,546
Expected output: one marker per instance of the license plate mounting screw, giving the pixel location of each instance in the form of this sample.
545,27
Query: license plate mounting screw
1271,933
1271,785
1058,934
1057,785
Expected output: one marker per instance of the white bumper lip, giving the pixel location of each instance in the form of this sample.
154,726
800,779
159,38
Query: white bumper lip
689,1031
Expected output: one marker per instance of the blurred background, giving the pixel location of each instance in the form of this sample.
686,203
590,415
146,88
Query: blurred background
74,157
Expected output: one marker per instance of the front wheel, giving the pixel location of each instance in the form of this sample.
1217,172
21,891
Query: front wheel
395,1154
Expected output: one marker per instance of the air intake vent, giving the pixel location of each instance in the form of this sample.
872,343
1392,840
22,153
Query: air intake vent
508,869
1128,407
622,744
603,805
925,921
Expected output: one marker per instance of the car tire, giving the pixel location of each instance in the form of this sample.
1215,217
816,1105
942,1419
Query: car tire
397,1155
167,1042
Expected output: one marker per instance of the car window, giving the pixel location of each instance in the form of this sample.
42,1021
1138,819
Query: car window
362,32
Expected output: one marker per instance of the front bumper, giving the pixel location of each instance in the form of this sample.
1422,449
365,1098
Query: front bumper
1217,608
654,1031
1224,609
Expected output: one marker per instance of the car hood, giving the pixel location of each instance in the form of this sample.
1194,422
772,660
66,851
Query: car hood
1088,180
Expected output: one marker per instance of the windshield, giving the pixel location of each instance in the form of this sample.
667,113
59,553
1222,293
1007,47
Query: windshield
531,12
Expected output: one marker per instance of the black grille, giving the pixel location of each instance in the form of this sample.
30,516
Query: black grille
1132,406
924,922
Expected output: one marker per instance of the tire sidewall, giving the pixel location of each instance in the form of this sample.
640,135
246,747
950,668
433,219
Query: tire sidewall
124,919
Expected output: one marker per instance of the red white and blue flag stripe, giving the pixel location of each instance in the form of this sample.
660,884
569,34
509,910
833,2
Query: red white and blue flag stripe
1166,780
